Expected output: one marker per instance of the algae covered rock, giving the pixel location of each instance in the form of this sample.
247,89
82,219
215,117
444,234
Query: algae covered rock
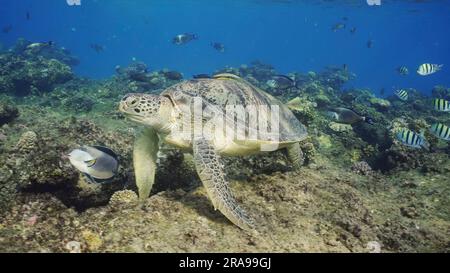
8,112
441,92
123,197
21,76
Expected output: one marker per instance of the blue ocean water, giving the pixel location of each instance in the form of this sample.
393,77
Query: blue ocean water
290,35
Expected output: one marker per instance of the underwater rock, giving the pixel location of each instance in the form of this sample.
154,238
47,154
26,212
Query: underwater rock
50,51
28,142
380,104
409,212
20,76
339,127
123,197
441,92
172,75
37,161
362,168
257,70
78,103
304,110
136,71
92,240
139,79
8,113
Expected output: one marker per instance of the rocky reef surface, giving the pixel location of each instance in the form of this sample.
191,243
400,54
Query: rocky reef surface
359,191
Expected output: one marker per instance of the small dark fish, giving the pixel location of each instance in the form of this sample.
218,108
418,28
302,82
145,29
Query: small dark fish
184,38
201,76
338,26
281,82
403,70
353,30
345,67
218,46
98,48
28,16
173,75
7,29
370,44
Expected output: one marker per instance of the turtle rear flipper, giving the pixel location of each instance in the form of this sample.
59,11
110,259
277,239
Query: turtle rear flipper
144,161
295,155
211,172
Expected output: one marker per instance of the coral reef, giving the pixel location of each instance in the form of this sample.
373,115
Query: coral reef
139,79
8,113
21,76
362,168
360,189
63,55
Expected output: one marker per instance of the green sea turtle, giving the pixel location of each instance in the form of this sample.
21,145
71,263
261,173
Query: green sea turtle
166,117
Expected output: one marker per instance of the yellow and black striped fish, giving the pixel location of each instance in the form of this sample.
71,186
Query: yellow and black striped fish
411,139
441,131
441,105
428,69
401,94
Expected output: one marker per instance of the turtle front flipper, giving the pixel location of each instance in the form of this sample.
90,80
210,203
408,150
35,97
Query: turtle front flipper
145,152
295,155
211,172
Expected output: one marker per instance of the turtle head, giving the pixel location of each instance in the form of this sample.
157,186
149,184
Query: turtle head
147,109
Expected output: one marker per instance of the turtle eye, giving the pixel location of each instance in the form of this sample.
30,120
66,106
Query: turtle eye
132,101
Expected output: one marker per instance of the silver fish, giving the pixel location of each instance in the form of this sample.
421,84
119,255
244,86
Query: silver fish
347,116
98,163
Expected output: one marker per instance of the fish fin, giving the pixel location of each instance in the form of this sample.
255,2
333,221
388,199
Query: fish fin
106,150
286,77
93,180
89,179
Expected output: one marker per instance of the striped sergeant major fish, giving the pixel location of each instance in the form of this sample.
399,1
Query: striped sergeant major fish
441,131
441,105
403,70
411,139
402,94
428,69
